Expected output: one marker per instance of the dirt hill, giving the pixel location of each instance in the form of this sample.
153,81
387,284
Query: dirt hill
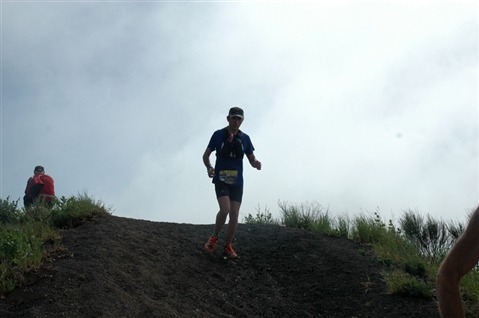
120,267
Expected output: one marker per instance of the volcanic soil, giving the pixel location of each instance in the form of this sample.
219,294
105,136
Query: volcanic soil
120,267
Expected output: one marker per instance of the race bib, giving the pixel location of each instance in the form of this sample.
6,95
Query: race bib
229,176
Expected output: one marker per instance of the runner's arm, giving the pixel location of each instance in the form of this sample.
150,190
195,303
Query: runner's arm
254,162
460,260
207,163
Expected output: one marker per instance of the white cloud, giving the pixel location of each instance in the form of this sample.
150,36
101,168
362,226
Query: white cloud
352,105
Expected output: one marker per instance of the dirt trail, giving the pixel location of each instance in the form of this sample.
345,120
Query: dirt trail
120,267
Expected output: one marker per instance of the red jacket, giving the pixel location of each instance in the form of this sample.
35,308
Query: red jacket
48,186
48,191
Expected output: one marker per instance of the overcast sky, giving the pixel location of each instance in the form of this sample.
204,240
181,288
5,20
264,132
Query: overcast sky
355,106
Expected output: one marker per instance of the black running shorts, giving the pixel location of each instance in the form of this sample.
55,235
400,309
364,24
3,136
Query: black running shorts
234,192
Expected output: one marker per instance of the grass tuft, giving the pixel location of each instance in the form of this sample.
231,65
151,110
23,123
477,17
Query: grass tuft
308,216
260,217
402,283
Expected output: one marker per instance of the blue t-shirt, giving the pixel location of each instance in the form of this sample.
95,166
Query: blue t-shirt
229,170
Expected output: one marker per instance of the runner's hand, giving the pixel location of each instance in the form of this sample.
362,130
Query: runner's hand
211,172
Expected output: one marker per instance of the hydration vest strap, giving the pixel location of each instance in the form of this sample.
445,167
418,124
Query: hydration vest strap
231,149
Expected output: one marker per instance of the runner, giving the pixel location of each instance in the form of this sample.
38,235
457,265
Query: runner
230,144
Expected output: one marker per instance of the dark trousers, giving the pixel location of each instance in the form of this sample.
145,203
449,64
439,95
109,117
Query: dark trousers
27,201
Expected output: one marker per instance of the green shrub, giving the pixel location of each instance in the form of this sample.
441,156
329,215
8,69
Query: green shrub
342,229
362,251
7,279
25,233
305,216
415,267
455,230
323,224
20,249
69,213
8,210
260,218
290,215
417,288
470,292
39,211
9,244
402,283
368,229
20,246
430,235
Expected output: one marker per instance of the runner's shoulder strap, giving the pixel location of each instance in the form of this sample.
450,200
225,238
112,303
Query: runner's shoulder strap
226,133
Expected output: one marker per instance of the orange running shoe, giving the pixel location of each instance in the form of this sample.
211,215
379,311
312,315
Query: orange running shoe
210,245
229,251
